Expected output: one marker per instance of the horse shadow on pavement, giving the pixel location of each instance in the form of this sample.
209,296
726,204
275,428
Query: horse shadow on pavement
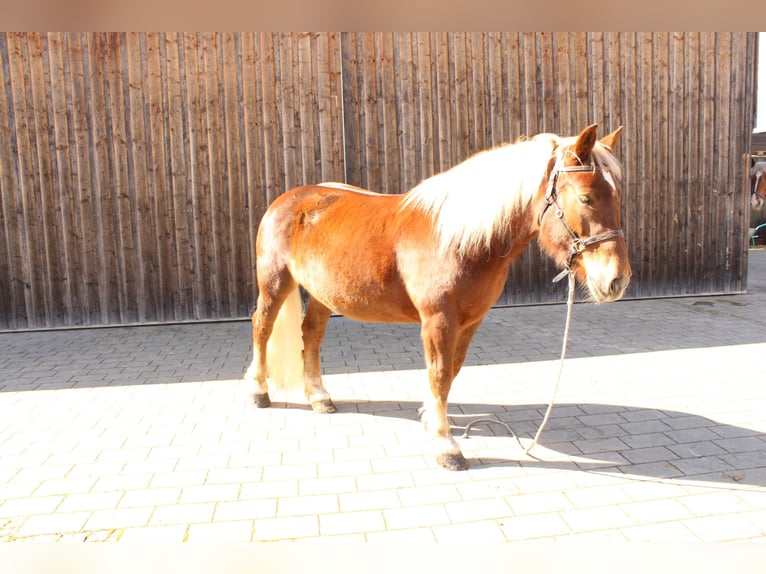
610,439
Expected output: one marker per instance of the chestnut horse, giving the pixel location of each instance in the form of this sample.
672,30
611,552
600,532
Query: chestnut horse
437,255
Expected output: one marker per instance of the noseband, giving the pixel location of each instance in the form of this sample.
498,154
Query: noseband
578,244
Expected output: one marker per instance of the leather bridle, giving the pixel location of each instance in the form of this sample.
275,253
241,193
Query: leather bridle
578,243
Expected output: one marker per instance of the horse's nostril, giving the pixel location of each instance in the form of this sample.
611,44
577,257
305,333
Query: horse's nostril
616,285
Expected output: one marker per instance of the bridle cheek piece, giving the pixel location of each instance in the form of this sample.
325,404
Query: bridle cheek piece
578,243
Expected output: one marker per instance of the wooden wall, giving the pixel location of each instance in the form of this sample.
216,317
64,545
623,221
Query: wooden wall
134,168
139,165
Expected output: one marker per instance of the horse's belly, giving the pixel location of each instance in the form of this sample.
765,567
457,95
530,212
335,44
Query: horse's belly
360,300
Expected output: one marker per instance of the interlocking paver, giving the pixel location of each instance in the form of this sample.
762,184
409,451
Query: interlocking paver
183,513
148,433
119,518
228,532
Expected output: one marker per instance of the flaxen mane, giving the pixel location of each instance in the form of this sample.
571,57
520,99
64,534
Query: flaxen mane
506,177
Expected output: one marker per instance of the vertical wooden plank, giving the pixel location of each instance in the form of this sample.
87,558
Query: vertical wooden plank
329,108
253,180
548,119
478,97
130,253
532,118
495,132
140,183
740,133
236,262
530,83
629,146
426,110
443,101
287,101
664,251
84,188
47,185
70,309
565,83
44,185
211,207
460,109
370,125
210,183
582,103
694,193
269,64
307,152
75,171
179,177
708,104
506,64
596,78
32,246
100,176
723,210
678,151
392,155
219,134
352,138
13,305
411,170
161,199
646,189
609,119
744,93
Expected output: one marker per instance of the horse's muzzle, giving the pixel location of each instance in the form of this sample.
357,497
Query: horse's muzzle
605,289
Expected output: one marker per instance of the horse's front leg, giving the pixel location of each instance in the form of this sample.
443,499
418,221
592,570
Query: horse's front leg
439,336
314,325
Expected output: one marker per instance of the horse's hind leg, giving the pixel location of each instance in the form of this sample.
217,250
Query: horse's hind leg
270,300
263,322
314,325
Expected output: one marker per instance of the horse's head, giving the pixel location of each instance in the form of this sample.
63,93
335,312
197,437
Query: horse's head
580,223
758,185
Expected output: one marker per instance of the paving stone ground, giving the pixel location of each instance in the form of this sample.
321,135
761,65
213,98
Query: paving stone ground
147,433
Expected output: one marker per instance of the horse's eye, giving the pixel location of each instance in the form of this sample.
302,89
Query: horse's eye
585,199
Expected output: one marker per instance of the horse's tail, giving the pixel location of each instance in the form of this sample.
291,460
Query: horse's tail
284,350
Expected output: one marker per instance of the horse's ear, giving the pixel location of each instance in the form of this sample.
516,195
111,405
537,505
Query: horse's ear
585,142
612,139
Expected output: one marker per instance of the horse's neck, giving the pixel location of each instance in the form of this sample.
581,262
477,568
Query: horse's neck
511,241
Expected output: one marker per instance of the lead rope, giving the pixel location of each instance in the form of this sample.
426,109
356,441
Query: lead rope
570,302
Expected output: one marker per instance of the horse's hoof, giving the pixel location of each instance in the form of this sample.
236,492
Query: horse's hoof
452,461
323,406
261,400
